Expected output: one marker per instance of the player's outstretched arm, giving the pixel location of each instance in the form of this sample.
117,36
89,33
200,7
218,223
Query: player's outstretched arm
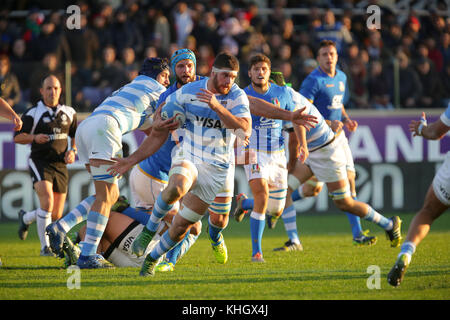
228,119
433,131
261,108
151,144
303,152
7,112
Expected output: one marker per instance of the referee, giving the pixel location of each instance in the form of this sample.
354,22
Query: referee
47,127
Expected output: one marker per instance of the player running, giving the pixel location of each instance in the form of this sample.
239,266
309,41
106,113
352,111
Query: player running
437,200
322,156
99,138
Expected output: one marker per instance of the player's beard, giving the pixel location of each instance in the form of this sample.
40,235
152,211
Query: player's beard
220,89
260,85
184,80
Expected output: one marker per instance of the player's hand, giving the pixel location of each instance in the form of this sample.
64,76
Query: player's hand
414,125
351,125
302,119
336,125
41,138
69,157
161,125
120,166
17,123
209,98
303,154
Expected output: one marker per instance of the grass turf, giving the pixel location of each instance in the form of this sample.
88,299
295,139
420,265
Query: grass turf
329,268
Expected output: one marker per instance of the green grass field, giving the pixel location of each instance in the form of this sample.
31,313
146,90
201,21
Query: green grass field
330,268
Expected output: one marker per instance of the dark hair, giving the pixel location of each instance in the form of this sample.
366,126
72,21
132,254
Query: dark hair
226,60
326,43
259,57
154,66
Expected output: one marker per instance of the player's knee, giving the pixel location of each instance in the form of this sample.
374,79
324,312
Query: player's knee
174,193
345,204
275,206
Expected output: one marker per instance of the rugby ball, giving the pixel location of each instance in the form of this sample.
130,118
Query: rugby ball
171,109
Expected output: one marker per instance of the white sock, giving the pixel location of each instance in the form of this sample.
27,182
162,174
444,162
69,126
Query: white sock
29,217
43,219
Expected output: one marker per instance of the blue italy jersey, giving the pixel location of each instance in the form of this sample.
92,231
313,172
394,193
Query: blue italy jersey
205,138
267,133
328,94
321,133
130,104
157,166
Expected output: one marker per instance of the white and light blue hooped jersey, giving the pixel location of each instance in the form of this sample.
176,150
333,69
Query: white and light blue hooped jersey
266,132
445,117
132,103
205,138
321,133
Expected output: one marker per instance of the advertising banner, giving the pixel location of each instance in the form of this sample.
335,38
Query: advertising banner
394,170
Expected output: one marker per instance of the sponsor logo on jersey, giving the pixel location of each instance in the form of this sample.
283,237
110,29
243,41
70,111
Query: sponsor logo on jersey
209,123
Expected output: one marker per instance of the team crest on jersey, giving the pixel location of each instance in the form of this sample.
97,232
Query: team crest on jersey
224,103
255,168
341,86
276,102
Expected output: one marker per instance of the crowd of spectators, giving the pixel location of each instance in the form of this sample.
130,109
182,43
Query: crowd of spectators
114,37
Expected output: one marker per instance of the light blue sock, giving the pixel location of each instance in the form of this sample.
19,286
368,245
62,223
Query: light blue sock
159,212
247,204
407,248
379,219
172,255
214,231
95,226
75,216
163,246
257,224
140,215
296,195
289,217
355,223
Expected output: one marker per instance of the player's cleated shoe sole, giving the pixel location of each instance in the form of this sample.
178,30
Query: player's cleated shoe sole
23,227
148,267
365,240
290,246
258,258
395,276
56,239
239,212
95,262
395,235
141,242
164,267
71,252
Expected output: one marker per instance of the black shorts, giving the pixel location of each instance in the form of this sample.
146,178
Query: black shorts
54,172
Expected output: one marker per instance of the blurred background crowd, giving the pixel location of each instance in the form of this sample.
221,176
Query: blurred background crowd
403,64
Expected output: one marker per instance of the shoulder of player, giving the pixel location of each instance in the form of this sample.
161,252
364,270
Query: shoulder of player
68,110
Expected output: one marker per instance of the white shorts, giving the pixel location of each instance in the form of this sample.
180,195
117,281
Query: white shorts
119,253
342,140
144,189
228,188
271,167
441,181
98,137
329,163
210,178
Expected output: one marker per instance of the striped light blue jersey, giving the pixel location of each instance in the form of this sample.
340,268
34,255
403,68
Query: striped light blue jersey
321,133
157,166
267,133
205,138
328,94
132,103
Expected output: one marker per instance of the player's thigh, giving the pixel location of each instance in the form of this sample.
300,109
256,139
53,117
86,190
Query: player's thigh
301,172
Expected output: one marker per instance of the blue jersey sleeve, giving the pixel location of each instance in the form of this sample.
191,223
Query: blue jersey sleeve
309,88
